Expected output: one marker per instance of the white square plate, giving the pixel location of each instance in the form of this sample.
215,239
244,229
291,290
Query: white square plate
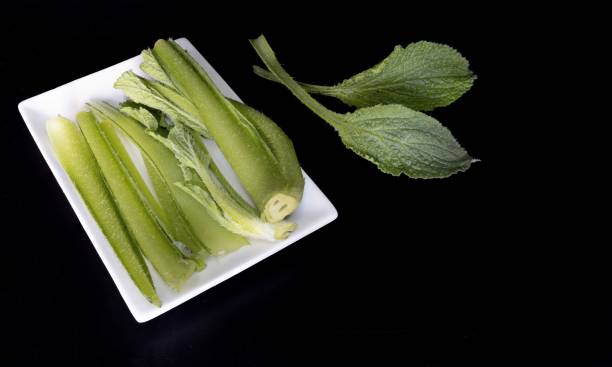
314,212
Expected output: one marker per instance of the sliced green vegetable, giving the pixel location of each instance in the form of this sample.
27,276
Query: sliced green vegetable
251,157
283,150
110,133
212,195
219,241
230,189
422,76
74,154
179,226
266,127
193,226
169,262
395,138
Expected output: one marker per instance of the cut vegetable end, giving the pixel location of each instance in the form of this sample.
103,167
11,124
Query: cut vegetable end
279,207
155,301
178,282
283,229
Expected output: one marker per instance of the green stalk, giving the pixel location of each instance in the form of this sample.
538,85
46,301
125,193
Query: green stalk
193,225
230,189
169,262
265,52
116,144
242,145
74,154
218,240
282,148
310,88
137,134
185,105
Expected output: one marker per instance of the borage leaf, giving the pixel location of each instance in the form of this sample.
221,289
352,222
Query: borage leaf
144,91
150,66
422,76
143,115
397,139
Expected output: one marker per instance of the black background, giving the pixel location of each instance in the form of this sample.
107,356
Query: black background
483,268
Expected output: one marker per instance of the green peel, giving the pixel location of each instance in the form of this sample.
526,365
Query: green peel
76,158
260,170
169,262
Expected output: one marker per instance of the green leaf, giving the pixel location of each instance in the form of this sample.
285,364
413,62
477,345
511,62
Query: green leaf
399,140
422,76
142,115
140,90
150,66
159,116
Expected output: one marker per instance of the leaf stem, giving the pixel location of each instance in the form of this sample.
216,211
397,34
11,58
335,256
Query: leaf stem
310,88
265,52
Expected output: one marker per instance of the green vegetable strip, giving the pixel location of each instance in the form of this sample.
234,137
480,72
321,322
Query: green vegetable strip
243,147
73,153
216,237
155,152
117,145
173,268
192,226
224,183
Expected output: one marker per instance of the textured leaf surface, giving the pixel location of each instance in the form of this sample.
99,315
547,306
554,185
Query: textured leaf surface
422,76
399,140
396,138
141,91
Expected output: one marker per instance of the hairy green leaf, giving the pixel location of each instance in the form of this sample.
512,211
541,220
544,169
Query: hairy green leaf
150,66
159,116
141,114
422,76
142,91
400,140
397,139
